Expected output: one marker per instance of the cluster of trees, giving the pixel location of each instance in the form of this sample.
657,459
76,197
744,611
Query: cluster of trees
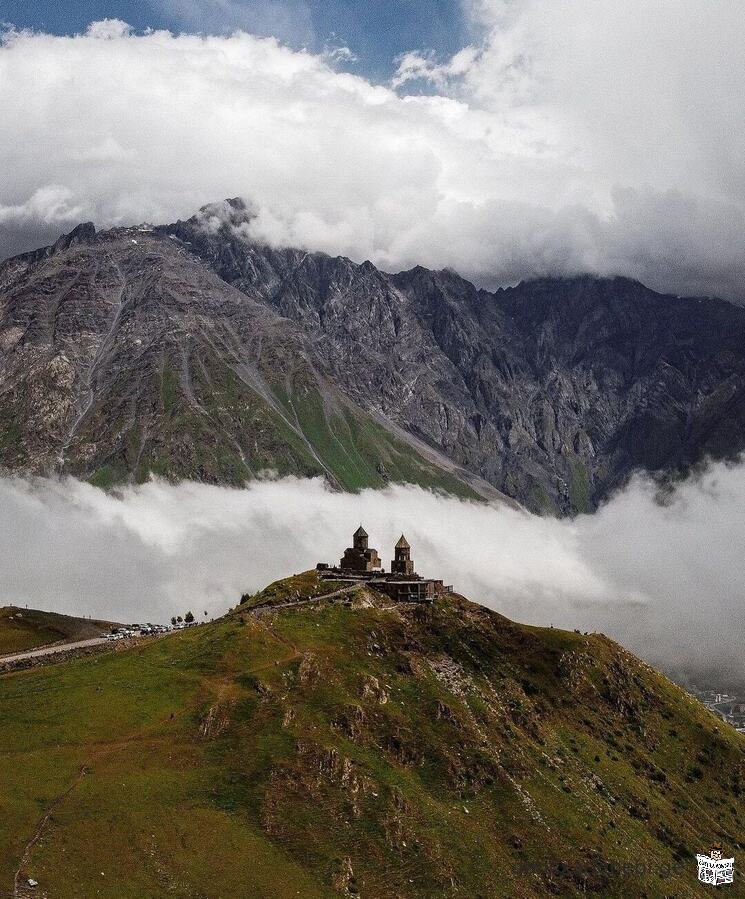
188,618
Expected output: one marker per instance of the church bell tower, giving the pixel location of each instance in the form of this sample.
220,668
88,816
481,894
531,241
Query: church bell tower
402,563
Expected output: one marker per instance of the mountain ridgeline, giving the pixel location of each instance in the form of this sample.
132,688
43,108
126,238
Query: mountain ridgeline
190,351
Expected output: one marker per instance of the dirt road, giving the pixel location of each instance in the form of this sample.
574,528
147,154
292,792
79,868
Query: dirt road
52,650
61,648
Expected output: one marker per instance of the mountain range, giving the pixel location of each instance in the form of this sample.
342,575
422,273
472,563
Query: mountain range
193,351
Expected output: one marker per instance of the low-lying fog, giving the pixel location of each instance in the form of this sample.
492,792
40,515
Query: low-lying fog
666,580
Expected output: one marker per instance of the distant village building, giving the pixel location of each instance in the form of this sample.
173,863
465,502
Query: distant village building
361,562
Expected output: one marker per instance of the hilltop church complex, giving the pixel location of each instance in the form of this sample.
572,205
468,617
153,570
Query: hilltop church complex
361,562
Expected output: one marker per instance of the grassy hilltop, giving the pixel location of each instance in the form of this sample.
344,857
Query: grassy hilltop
26,629
354,748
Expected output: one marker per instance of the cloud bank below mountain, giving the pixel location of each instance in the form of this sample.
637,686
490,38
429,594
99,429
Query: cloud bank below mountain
663,579
572,136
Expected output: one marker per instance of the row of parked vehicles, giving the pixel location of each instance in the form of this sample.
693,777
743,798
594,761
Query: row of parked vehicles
141,630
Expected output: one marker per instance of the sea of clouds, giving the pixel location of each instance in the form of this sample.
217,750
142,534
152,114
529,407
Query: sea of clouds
570,135
664,579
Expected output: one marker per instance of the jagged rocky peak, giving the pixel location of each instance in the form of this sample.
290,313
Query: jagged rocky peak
233,212
215,226
83,232
80,234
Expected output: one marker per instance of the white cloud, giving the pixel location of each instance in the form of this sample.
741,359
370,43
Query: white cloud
108,150
664,579
574,136
415,66
50,204
108,30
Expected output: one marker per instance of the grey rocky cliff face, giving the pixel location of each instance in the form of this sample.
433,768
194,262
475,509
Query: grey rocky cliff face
191,351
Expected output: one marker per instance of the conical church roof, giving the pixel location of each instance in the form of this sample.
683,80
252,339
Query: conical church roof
361,532
403,543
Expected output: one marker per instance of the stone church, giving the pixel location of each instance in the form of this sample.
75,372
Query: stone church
359,556
361,562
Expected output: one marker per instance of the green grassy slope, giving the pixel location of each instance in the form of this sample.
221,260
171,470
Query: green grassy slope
227,433
358,452
23,629
358,749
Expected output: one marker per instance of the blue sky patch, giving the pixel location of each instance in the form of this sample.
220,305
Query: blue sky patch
376,31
